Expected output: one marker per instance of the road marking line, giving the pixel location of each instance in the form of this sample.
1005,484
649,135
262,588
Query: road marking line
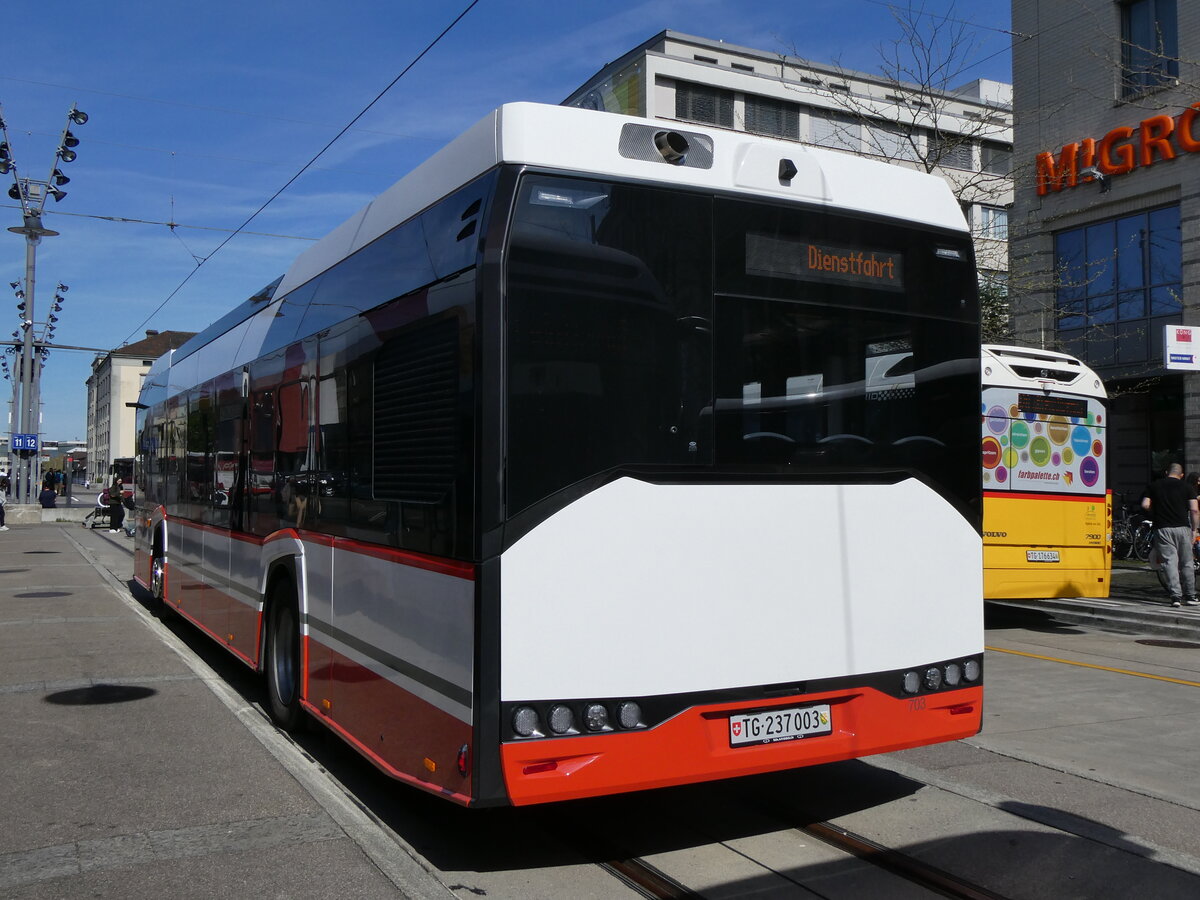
1072,662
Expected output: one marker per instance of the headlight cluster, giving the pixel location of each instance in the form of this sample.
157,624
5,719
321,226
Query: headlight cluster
943,676
563,719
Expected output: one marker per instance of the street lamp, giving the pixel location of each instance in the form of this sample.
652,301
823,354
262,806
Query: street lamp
24,445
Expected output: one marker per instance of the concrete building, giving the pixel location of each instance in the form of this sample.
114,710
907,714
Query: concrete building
115,381
964,135
1106,216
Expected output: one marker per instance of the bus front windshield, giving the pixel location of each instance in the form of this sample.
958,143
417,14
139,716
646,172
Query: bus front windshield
660,331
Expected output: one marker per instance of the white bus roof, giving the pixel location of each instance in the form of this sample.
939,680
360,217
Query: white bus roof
586,141
1030,367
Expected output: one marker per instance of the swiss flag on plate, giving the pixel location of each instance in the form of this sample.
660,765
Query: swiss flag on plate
737,729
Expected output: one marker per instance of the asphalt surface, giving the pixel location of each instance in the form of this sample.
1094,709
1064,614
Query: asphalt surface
131,770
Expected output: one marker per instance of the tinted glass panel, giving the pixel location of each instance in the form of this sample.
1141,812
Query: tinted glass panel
1129,252
785,343
609,314
1101,273
1165,250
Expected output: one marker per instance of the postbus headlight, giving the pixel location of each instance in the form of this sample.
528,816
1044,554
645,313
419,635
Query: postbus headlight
912,682
971,669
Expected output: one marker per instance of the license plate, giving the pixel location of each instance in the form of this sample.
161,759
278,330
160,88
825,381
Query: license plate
779,725
1041,556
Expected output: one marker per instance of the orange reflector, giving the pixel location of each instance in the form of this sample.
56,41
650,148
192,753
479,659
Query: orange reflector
327,705
540,767
430,764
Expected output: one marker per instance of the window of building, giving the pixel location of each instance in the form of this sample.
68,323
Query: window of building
996,159
1117,283
993,222
774,118
700,103
1149,45
833,129
894,142
952,151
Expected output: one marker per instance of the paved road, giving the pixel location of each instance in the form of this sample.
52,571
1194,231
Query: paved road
124,773
130,771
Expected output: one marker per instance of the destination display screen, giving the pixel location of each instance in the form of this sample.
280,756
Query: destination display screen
776,257
1041,404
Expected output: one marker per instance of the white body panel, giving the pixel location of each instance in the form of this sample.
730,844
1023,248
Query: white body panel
578,140
659,589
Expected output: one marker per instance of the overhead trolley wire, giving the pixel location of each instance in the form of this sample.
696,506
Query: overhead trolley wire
305,167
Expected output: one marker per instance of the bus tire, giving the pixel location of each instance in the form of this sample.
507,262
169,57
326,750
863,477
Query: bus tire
158,579
283,658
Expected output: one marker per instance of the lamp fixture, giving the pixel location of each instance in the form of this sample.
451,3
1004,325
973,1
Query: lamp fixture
67,155
78,116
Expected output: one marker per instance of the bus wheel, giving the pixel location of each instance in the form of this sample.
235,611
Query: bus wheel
283,658
158,581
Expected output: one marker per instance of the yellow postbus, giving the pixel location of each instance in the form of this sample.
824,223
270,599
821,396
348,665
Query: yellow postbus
1047,514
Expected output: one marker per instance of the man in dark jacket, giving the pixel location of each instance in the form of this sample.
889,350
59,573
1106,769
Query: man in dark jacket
1171,502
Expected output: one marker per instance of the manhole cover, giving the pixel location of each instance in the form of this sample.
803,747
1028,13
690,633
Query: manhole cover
1175,645
100,693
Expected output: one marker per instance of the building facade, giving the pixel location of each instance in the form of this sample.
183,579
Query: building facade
115,382
964,135
1105,224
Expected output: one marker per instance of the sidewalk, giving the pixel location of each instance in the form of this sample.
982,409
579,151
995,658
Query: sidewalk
130,771
1136,603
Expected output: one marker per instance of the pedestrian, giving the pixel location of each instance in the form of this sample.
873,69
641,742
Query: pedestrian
115,497
1175,515
3,501
47,497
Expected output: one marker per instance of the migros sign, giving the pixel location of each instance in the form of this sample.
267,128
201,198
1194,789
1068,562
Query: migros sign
1121,150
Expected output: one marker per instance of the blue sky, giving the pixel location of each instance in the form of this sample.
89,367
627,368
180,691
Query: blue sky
199,113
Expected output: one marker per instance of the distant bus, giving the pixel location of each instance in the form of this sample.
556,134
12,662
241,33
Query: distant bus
593,456
1047,513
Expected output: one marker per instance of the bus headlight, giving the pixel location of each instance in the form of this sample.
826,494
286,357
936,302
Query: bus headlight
595,717
971,669
953,675
525,721
562,720
629,715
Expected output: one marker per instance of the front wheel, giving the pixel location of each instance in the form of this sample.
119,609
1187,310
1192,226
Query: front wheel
283,659
1143,540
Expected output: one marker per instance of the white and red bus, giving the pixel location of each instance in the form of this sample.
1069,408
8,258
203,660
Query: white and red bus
594,455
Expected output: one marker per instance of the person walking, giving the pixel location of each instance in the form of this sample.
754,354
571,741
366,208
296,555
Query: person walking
3,500
1175,515
115,496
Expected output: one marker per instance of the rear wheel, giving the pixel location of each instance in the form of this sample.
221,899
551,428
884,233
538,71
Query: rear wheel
283,658
158,579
